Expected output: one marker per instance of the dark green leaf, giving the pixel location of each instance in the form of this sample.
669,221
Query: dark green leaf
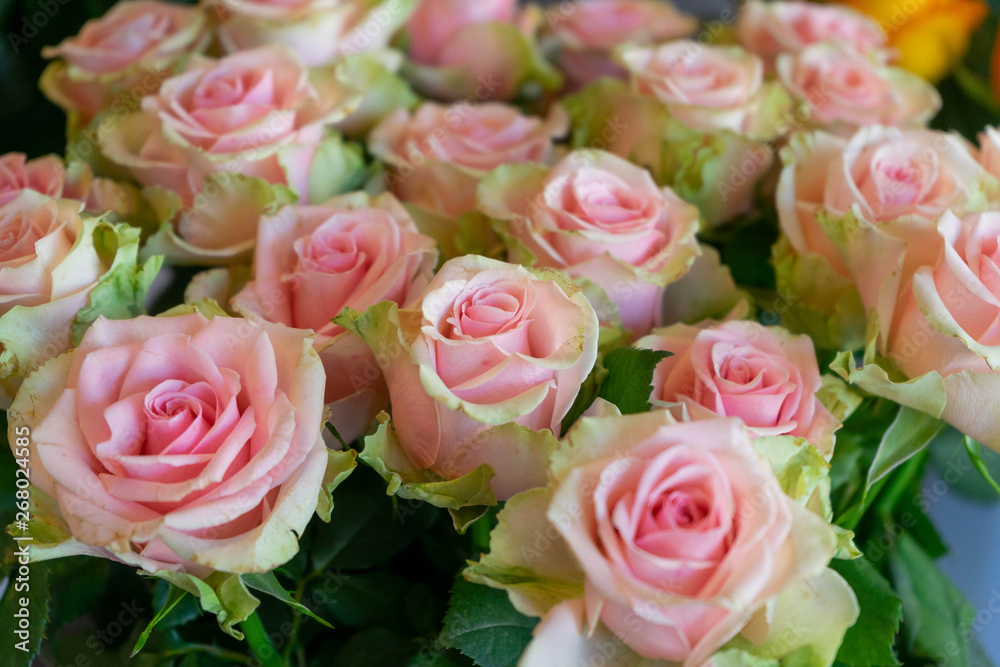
175,595
869,642
482,624
975,454
377,647
937,617
369,599
909,434
268,583
630,378
365,528
36,613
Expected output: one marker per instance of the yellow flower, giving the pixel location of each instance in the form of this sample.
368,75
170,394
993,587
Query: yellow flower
930,36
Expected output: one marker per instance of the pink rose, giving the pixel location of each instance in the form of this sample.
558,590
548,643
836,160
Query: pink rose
244,107
137,144
181,443
989,150
844,89
881,175
705,87
318,31
587,32
946,322
435,23
45,175
484,369
771,28
762,375
128,51
439,154
51,260
682,533
602,220
856,203
311,262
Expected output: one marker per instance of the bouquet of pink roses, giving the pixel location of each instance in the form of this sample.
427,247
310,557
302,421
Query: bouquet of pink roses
592,334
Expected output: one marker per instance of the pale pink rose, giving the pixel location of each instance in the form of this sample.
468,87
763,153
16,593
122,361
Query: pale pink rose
706,87
989,150
585,33
771,28
682,532
48,268
602,220
45,175
881,175
311,262
318,31
435,23
438,154
181,443
948,322
765,376
126,52
844,89
484,369
246,106
137,144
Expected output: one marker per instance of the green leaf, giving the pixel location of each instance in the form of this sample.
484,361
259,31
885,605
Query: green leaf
377,647
268,583
630,378
937,617
175,595
369,599
482,624
868,643
909,434
121,292
366,527
974,450
37,613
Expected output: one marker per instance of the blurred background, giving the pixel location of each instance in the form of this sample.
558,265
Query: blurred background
950,42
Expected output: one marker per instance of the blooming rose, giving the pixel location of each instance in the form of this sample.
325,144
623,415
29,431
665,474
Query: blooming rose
138,145
181,443
673,538
484,369
51,260
844,89
847,201
128,51
989,150
706,87
313,261
587,32
771,28
599,218
435,22
947,322
483,49
438,154
318,31
244,107
762,375
45,175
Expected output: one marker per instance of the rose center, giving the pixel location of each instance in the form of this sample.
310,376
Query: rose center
488,311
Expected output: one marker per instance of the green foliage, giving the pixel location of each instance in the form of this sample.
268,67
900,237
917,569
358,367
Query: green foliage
869,642
630,378
482,624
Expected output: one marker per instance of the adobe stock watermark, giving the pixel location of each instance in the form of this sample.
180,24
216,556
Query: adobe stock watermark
20,576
